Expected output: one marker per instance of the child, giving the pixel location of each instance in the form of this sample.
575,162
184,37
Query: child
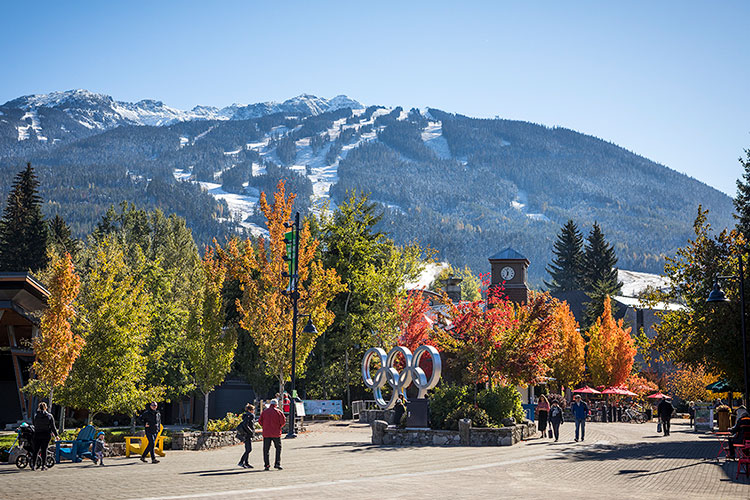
99,447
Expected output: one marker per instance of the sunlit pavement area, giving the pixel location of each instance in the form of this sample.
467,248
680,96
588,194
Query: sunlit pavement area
336,460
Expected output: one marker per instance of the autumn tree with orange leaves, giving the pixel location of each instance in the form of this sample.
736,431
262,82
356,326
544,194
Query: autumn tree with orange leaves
265,311
568,362
611,350
57,347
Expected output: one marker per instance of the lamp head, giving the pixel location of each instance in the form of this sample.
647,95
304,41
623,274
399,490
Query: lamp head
717,294
309,327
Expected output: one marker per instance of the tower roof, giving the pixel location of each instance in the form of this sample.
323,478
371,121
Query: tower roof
508,254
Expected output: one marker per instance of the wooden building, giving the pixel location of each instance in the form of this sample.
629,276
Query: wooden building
22,301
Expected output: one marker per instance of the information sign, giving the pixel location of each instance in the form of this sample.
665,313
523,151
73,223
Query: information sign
323,407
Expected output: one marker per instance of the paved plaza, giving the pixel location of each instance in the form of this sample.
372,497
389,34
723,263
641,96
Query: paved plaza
336,460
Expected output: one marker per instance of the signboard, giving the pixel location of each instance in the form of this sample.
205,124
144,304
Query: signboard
323,407
704,417
299,409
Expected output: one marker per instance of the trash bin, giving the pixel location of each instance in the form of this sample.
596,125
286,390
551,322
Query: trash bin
648,414
722,419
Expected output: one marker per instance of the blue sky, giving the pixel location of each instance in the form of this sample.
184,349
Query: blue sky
667,80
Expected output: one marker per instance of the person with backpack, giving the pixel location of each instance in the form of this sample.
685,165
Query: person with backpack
44,429
151,419
555,419
246,432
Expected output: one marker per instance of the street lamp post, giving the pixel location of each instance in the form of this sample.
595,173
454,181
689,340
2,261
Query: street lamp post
293,294
717,295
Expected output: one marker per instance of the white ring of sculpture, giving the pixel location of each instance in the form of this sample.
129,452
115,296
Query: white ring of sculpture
400,381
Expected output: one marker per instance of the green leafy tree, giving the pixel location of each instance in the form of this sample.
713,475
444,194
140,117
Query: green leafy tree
742,200
703,335
115,320
375,271
471,285
210,344
162,252
23,231
566,270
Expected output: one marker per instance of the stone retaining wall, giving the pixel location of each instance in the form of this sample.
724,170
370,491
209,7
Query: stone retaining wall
370,416
383,434
197,440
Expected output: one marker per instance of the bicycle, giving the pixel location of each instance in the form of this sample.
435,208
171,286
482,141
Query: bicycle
631,415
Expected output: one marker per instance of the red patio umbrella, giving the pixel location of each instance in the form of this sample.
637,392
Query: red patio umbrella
658,395
586,390
626,392
612,390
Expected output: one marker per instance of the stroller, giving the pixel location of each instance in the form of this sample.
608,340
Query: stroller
25,440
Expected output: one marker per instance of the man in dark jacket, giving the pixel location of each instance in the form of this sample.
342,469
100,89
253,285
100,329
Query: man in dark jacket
665,410
44,429
580,411
151,419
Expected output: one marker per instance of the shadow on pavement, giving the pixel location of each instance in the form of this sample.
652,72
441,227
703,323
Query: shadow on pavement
701,452
222,472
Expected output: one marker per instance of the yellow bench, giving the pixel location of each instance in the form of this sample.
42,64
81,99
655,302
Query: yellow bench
137,444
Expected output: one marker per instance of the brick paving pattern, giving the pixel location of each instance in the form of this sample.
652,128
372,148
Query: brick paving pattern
336,460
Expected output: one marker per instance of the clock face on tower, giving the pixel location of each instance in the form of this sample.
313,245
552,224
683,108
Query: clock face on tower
507,273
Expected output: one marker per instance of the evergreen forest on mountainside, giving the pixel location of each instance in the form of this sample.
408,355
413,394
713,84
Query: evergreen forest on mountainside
466,187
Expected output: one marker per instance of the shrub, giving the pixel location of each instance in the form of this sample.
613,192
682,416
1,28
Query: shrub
500,403
443,400
478,416
228,423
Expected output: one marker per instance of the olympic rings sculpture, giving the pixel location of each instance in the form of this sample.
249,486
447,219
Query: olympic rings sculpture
399,381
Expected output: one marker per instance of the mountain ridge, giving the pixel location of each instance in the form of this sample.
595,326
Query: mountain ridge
464,186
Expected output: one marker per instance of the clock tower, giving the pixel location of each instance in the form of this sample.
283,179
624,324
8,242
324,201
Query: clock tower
509,269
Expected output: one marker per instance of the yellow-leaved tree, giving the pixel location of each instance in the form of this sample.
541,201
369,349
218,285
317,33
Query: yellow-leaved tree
210,344
56,347
611,349
265,311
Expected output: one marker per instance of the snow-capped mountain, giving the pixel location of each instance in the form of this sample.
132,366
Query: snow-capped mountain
33,116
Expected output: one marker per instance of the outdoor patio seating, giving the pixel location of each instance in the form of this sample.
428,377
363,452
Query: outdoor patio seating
77,449
743,458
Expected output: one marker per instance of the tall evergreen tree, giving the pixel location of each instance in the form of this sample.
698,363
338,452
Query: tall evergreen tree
23,231
742,200
599,261
599,274
566,269
61,237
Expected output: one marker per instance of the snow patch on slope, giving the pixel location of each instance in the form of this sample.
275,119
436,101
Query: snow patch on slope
432,136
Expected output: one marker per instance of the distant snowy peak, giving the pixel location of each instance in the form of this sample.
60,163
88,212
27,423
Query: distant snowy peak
101,111
304,104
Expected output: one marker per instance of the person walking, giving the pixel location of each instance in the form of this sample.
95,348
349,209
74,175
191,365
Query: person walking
555,419
580,411
44,429
664,411
248,429
542,412
151,419
272,421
